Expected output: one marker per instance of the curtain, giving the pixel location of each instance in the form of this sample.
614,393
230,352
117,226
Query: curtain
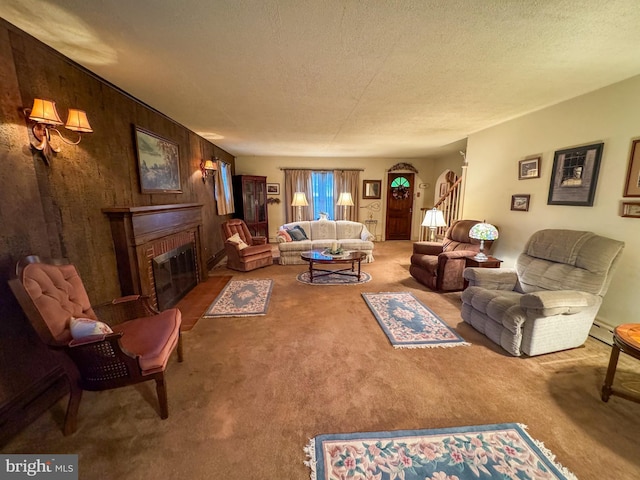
297,181
347,181
224,189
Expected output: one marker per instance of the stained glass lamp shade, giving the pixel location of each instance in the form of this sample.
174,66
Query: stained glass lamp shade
482,232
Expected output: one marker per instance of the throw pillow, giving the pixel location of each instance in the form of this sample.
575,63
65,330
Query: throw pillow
285,235
297,233
236,240
86,327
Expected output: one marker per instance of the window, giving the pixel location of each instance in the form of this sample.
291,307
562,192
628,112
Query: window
322,192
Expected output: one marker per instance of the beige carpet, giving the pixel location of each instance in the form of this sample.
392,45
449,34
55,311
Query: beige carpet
253,391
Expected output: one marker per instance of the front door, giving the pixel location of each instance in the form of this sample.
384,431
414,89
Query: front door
399,206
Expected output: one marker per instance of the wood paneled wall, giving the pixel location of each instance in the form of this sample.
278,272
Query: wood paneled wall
56,210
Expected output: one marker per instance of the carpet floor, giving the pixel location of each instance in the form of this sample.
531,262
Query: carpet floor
253,391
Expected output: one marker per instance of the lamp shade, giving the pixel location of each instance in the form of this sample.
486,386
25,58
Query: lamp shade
77,121
483,231
299,200
44,111
210,165
345,200
434,219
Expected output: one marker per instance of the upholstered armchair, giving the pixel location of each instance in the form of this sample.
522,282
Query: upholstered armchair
244,251
549,300
100,347
439,266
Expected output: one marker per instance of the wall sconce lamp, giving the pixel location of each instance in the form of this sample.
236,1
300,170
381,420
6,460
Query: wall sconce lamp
207,167
45,117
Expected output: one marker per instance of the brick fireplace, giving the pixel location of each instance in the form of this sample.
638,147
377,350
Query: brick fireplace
164,236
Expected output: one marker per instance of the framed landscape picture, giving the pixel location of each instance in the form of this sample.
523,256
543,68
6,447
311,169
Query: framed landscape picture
158,163
520,202
632,187
529,168
273,189
575,175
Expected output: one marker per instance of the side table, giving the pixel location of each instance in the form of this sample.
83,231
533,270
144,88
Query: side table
626,339
490,262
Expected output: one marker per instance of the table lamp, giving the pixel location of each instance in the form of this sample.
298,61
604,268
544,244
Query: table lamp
299,201
345,200
483,231
433,219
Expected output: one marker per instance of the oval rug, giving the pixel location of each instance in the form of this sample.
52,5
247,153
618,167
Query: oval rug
334,279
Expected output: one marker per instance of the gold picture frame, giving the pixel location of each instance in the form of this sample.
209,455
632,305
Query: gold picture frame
632,185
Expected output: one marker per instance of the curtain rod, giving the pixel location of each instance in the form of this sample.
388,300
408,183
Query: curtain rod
326,169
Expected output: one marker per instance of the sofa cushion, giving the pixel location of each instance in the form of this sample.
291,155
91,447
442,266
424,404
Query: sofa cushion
323,230
297,233
283,235
236,240
87,327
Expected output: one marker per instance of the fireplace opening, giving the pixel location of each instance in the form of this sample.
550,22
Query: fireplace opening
174,275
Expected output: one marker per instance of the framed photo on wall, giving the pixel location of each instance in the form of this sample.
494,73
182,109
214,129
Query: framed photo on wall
632,187
158,163
575,175
529,168
273,189
520,203
631,209
372,189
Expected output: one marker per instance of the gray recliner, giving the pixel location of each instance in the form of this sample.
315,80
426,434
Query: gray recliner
549,301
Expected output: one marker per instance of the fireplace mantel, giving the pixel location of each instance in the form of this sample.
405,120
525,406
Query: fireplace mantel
141,233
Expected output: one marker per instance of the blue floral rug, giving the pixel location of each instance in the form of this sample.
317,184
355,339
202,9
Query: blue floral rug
241,298
334,279
503,451
408,323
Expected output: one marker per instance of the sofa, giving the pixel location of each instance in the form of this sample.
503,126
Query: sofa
549,300
439,265
322,234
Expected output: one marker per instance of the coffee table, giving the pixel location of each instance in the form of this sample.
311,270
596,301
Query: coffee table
316,257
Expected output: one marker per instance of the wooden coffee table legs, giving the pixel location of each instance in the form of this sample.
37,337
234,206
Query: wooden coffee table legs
624,340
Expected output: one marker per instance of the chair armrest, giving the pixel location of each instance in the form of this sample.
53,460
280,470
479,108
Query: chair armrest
491,278
427,248
126,308
259,240
558,302
451,254
366,235
101,358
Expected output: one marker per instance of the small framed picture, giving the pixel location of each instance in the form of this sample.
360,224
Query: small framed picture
520,203
631,209
371,189
632,187
273,189
529,168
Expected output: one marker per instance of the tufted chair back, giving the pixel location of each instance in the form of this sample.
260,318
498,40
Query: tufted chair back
558,259
57,294
235,225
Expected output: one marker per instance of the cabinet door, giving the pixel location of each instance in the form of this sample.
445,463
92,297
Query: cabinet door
261,201
249,192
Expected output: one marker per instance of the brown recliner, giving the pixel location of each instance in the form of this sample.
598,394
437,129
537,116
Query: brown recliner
440,266
256,254
52,295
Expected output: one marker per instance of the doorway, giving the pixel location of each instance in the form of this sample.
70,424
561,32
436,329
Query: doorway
399,206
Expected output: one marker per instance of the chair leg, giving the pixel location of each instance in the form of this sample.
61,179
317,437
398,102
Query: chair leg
161,389
71,417
607,387
180,354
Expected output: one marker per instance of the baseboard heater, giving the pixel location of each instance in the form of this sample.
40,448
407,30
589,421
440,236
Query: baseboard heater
602,331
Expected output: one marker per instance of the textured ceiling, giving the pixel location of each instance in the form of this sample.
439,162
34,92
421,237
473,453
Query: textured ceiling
376,78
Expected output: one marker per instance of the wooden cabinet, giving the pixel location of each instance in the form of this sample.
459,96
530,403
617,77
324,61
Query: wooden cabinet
250,198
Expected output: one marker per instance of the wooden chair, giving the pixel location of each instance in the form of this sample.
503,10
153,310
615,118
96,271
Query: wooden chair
51,292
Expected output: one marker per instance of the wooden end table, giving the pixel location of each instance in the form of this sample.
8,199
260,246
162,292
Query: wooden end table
318,258
626,339
490,262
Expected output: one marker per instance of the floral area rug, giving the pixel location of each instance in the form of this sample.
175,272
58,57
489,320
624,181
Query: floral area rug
408,323
241,298
503,451
334,279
